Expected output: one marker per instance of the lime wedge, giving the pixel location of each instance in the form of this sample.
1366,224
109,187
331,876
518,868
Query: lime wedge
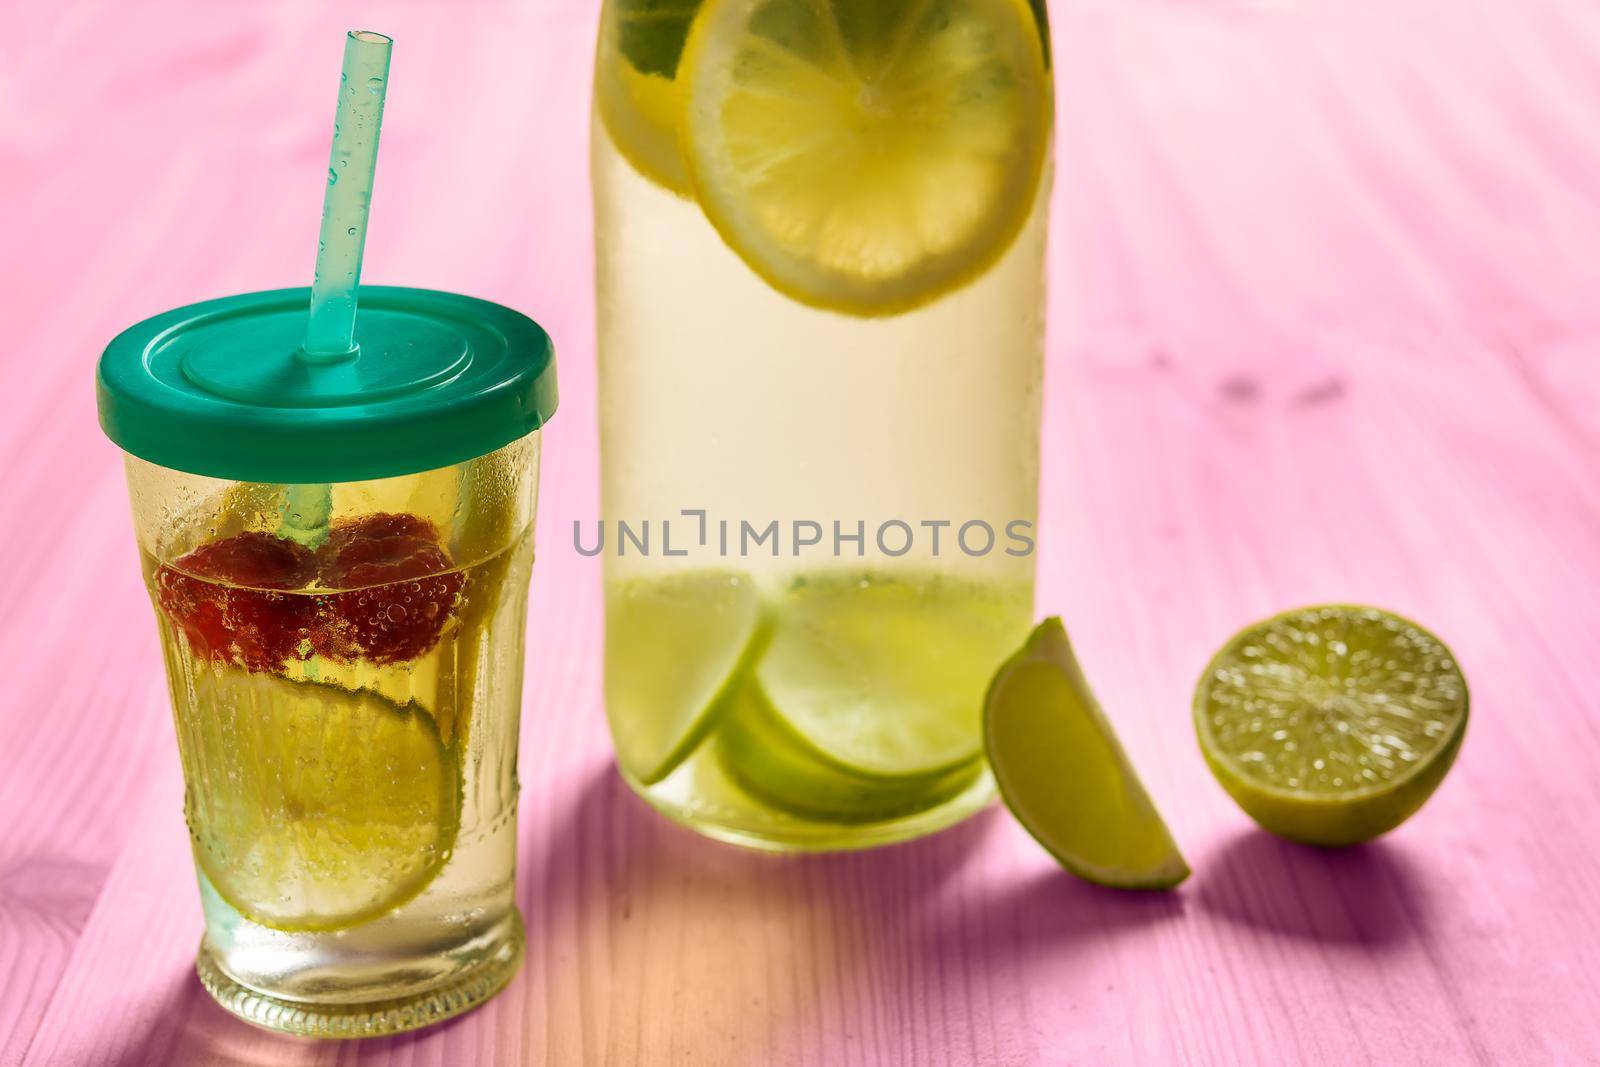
1065,777
312,807
883,677
865,157
674,646
1331,725
763,754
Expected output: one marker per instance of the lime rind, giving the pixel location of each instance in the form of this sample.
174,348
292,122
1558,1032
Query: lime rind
1294,699
651,33
1064,775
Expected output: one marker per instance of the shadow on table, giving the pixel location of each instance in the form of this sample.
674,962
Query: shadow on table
1363,895
609,858
193,1030
639,925
635,923
1052,912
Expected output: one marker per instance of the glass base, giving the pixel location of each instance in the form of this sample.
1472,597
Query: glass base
474,982
720,811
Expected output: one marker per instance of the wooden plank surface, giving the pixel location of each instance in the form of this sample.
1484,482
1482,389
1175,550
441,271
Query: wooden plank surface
1325,324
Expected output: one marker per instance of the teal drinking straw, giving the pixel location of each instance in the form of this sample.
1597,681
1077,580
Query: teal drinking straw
330,331
362,85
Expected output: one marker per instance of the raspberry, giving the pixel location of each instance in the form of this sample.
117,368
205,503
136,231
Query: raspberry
232,600
399,594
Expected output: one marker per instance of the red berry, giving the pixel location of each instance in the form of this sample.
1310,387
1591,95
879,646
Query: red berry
231,598
398,593
376,527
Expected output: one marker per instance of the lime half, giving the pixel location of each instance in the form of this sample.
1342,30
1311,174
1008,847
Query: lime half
674,646
312,807
1332,724
1064,775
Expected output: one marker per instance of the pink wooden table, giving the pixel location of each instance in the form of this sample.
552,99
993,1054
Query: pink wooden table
1325,325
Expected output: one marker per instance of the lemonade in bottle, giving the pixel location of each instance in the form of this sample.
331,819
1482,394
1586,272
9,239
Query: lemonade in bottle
820,231
334,513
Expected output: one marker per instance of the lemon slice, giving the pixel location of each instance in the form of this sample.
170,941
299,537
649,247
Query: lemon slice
636,93
312,807
865,157
1331,725
674,647
1065,777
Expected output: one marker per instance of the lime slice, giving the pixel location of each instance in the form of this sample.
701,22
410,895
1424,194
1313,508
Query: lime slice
1333,724
764,755
636,93
1065,777
312,807
884,677
674,646
865,157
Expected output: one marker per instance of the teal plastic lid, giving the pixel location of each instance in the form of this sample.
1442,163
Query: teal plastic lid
222,388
